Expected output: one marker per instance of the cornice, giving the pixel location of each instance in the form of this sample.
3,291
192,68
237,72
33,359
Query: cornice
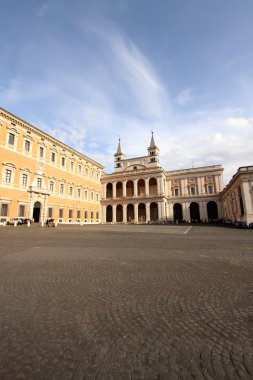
31,128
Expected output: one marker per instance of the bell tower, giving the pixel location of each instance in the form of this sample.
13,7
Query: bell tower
118,158
153,150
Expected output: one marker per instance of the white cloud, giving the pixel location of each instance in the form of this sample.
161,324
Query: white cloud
239,122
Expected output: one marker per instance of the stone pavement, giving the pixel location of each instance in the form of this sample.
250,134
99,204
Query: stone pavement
126,302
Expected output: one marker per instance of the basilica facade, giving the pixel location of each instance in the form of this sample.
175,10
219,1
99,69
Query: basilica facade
141,191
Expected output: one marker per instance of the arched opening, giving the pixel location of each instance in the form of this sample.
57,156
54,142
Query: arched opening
119,214
109,214
153,186
36,212
109,190
119,190
141,213
240,200
130,213
153,211
212,211
141,187
194,212
177,212
129,189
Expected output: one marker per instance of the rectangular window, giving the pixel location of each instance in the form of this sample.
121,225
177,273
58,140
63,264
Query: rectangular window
7,177
176,192
27,145
79,169
79,193
11,139
78,215
85,214
4,209
51,186
86,172
91,214
97,177
63,161
21,210
24,179
70,213
39,182
86,194
193,191
53,156
50,212
61,188
210,189
72,166
97,215
97,198
61,213
92,175
41,152
92,196
71,191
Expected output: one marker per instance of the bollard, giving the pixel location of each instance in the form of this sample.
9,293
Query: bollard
42,224
55,224
15,223
28,223
4,223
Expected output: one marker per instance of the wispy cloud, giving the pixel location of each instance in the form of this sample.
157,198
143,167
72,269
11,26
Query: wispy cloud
186,96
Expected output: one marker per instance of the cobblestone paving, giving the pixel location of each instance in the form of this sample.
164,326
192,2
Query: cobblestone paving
118,302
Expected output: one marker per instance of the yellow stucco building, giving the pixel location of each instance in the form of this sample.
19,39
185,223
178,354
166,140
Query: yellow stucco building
41,177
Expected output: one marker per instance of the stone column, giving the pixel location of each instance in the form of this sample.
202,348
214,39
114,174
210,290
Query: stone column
136,213
147,212
203,211
158,186
103,214
135,188
147,187
202,185
114,190
124,188
170,211
114,214
124,214
199,186
217,184
186,211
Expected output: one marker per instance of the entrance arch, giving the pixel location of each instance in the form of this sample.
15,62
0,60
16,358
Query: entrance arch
36,212
130,213
177,212
153,186
129,188
119,214
141,213
119,190
212,211
153,211
109,214
194,212
109,190
141,187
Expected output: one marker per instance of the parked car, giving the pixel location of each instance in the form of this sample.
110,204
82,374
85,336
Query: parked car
241,224
15,220
250,226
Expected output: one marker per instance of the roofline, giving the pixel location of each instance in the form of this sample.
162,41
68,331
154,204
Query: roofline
49,137
204,168
241,170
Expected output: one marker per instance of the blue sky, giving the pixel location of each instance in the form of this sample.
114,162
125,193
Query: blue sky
88,72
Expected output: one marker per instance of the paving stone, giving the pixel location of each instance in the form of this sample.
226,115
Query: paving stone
109,302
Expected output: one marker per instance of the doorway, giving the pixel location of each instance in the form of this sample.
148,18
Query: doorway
36,212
